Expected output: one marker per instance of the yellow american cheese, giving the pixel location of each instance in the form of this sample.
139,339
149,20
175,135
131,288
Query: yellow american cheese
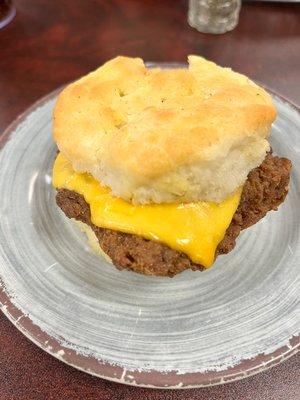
195,229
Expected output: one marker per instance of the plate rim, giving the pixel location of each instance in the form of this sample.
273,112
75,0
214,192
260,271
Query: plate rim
115,373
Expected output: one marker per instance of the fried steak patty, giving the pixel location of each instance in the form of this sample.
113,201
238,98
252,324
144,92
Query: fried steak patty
264,190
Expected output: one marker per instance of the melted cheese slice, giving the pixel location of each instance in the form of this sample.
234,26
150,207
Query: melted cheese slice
195,229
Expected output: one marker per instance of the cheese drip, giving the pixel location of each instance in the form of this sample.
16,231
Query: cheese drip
195,228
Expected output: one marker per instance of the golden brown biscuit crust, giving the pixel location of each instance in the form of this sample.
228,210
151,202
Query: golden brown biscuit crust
156,135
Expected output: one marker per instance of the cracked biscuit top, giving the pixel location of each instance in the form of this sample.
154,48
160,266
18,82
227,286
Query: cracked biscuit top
164,135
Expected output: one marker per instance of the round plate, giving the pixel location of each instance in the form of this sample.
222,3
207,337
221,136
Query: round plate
196,329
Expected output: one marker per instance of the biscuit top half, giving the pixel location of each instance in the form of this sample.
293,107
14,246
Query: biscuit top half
164,135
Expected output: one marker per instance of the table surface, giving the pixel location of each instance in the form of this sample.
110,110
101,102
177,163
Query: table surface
52,42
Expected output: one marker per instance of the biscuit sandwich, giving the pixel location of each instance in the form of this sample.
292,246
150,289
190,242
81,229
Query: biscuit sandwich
163,168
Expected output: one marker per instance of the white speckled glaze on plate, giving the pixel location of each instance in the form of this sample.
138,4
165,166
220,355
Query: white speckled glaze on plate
196,329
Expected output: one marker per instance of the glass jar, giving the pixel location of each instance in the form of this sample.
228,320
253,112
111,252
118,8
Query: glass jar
214,16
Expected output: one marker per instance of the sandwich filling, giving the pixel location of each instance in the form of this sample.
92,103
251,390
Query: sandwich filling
264,190
194,228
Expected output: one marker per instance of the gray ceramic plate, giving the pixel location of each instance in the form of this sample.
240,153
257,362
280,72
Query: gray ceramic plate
197,329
